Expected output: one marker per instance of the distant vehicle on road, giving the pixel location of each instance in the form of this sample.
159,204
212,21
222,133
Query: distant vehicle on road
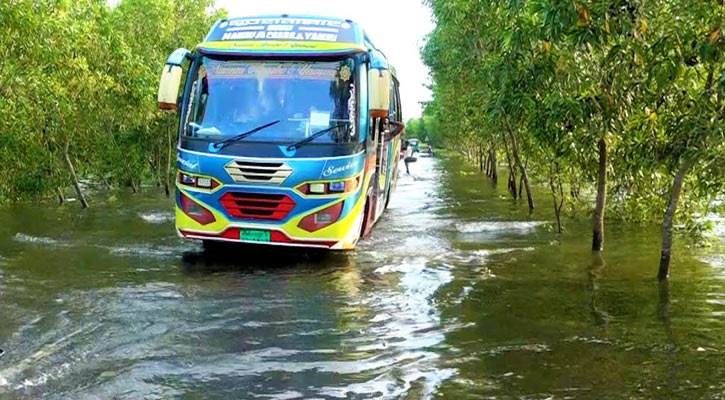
416,144
289,132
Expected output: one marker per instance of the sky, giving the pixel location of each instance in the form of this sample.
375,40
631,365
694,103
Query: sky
397,27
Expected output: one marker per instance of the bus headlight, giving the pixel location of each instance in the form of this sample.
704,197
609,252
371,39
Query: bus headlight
338,186
316,188
206,183
333,187
322,218
196,181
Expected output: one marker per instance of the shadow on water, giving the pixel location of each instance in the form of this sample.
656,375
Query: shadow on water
596,272
229,257
664,315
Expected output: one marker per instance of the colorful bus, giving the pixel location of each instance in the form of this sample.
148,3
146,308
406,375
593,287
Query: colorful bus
289,132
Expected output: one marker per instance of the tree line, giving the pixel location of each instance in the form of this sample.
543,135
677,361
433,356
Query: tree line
612,104
424,127
78,83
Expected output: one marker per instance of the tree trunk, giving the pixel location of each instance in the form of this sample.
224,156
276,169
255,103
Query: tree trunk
61,197
556,205
480,159
668,220
105,182
574,189
664,271
521,186
155,164
167,189
512,170
598,229
73,175
159,168
134,188
486,162
524,175
494,166
155,168
512,184
557,194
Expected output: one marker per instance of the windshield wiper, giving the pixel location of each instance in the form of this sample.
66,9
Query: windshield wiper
220,145
315,136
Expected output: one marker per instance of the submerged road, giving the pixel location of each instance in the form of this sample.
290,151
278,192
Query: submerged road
458,293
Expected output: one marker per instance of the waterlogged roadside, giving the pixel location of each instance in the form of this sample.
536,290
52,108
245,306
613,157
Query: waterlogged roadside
554,321
459,293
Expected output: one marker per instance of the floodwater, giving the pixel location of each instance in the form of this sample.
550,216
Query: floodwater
459,293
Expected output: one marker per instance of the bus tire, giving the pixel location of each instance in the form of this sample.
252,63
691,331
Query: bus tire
366,217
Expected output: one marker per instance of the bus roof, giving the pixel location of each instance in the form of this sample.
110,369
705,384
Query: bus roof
290,35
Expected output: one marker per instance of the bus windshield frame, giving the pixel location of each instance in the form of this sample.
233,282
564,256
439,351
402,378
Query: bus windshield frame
225,96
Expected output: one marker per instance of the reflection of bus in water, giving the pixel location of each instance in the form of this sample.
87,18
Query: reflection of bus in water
289,130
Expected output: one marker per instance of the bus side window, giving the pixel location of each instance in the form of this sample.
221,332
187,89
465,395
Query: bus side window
395,111
393,101
399,114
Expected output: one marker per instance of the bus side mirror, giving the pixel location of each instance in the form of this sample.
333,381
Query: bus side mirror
169,87
171,79
379,86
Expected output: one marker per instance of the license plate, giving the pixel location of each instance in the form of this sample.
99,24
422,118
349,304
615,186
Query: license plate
254,235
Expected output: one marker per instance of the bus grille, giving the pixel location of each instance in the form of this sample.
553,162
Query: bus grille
257,205
258,172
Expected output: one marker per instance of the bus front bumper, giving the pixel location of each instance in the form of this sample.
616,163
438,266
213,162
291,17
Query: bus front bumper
340,235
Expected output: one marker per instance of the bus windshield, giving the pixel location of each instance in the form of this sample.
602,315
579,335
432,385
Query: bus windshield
229,97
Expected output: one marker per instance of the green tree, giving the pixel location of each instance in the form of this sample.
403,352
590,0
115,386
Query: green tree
79,91
596,95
